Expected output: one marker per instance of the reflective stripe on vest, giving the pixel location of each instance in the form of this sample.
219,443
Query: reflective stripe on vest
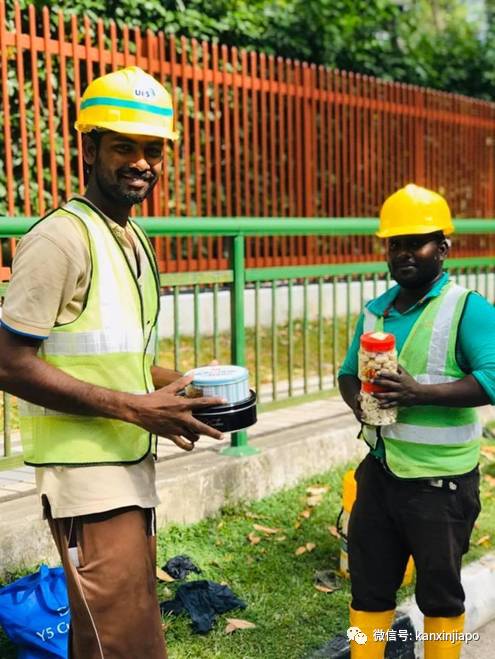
111,344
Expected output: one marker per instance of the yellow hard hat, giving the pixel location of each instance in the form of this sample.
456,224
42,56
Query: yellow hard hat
127,101
414,210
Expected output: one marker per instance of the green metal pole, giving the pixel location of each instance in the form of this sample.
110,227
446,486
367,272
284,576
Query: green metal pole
239,446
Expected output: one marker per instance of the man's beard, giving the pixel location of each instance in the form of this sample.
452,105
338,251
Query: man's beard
117,190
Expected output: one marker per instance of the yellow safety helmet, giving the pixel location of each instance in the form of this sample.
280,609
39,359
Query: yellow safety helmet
127,101
414,210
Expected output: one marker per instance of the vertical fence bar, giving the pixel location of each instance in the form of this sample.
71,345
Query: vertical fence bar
26,187
320,333
36,111
236,132
274,340
348,284
226,134
7,134
51,110
207,141
290,331
197,151
197,333
264,151
305,335
77,97
64,98
257,339
255,148
216,336
274,241
176,328
335,330
239,441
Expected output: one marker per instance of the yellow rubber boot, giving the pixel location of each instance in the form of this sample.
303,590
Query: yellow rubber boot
443,648
372,624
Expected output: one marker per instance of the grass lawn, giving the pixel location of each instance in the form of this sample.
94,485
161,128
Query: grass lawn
273,349
292,618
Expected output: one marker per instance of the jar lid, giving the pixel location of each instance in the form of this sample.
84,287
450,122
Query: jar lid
220,374
377,341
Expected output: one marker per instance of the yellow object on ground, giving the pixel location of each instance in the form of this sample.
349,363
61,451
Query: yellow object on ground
127,101
448,646
414,210
349,492
374,625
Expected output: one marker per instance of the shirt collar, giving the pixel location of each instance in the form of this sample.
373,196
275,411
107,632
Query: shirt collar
114,226
380,304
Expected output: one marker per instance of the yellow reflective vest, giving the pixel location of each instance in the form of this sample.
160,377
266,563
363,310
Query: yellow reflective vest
431,440
111,344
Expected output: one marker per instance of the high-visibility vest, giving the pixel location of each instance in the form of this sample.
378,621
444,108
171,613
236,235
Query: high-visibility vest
111,344
431,440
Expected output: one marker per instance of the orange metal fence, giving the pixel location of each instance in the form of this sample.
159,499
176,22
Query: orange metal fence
260,136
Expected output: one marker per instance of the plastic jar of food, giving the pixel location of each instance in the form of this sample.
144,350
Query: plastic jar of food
377,353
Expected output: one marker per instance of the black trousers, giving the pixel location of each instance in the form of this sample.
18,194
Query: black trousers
393,518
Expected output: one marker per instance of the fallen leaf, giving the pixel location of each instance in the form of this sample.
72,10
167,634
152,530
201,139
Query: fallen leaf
487,454
314,500
265,529
281,538
233,624
323,589
484,540
306,514
162,575
300,550
297,524
333,531
488,449
310,546
317,490
253,538
220,524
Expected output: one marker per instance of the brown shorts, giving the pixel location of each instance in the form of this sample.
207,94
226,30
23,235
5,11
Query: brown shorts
109,561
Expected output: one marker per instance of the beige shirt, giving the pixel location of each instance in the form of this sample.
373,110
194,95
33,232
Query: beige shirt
50,279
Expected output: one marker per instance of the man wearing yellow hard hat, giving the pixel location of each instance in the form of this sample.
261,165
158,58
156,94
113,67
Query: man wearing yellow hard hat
418,488
77,344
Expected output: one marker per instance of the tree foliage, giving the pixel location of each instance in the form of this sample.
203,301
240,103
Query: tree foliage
436,43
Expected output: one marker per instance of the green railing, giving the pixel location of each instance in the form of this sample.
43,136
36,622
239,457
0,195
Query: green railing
301,318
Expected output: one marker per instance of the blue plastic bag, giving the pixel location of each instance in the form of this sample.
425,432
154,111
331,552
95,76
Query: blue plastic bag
34,612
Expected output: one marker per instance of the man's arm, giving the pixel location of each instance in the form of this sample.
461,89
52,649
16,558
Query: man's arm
161,412
350,387
163,376
403,390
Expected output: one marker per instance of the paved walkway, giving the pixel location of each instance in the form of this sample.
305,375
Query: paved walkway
20,482
485,647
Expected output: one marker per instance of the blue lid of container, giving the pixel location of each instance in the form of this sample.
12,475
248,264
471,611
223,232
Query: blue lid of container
218,375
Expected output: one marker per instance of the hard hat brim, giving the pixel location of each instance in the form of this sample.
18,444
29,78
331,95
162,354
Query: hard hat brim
129,128
417,230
